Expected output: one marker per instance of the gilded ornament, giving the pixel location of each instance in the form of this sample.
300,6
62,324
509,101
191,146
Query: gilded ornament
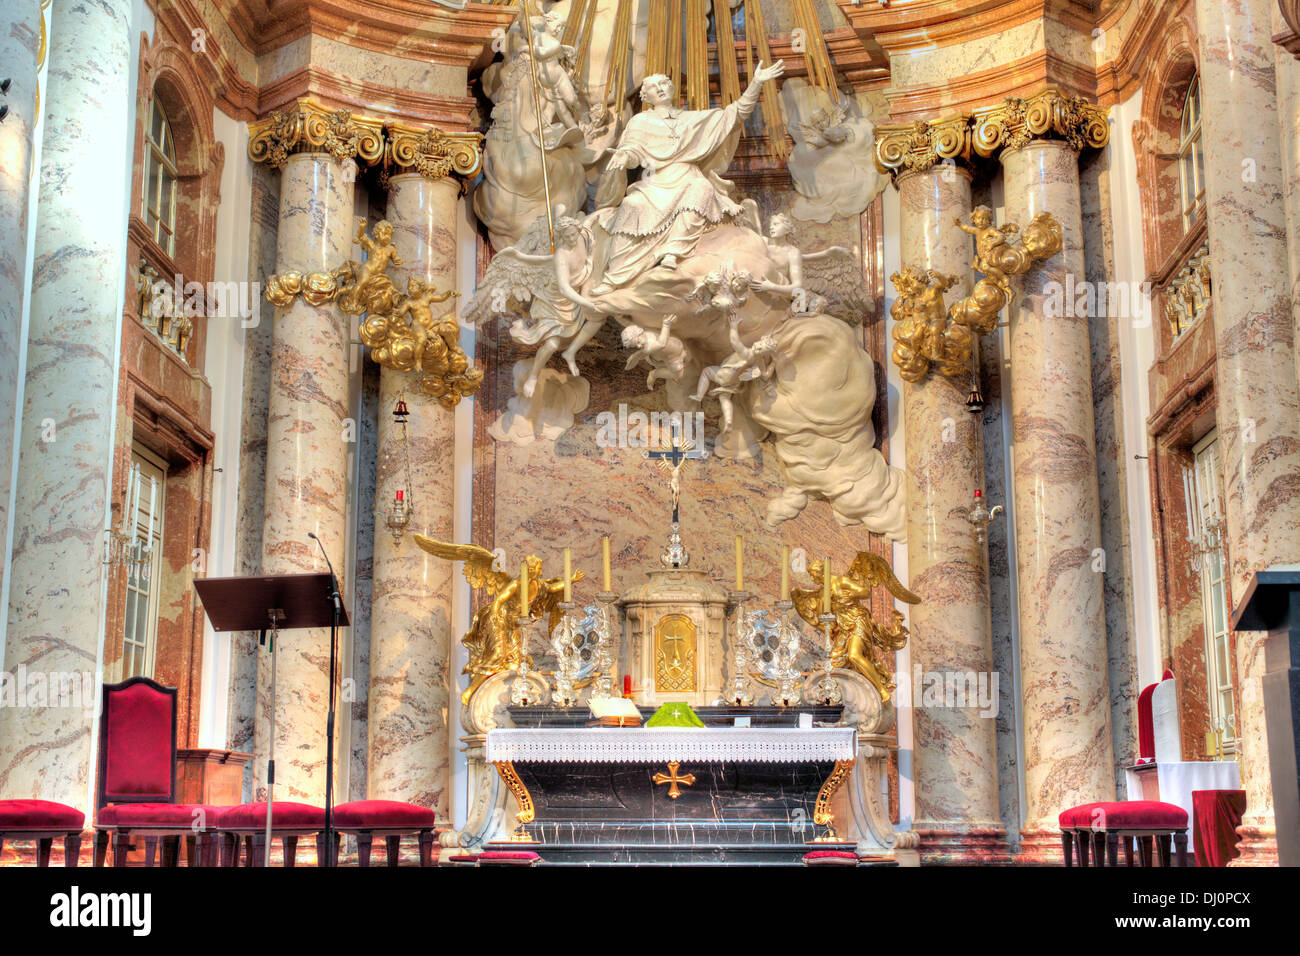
673,780
1048,114
432,152
822,814
310,127
921,145
493,639
527,812
856,637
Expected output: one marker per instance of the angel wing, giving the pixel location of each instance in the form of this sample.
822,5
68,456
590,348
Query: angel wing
511,282
834,273
478,568
808,602
871,570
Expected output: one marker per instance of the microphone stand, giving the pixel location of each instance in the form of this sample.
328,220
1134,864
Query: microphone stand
329,721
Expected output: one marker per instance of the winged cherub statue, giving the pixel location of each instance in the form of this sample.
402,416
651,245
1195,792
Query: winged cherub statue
747,362
493,640
828,274
856,637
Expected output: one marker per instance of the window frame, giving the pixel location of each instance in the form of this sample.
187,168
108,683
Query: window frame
159,154
1215,609
1191,156
144,463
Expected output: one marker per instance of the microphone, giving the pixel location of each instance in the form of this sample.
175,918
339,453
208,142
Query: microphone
333,577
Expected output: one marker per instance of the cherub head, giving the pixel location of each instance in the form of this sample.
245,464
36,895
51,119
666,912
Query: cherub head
657,90
909,281
383,232
633,337
764,346
780,226
981,217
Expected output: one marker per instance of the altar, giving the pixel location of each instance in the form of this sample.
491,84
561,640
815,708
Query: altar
674,795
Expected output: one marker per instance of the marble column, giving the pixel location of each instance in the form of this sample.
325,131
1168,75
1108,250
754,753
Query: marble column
1255,377
20,30
410,630
307,442
56,609
1065,688
955,746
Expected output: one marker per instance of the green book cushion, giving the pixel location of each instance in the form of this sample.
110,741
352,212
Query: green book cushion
674,714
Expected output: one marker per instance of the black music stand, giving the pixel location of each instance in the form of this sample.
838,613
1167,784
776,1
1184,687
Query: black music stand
280,603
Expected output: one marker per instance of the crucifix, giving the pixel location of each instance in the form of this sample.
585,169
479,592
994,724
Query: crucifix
673,459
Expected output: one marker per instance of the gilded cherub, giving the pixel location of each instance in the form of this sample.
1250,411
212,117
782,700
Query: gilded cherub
665,353
990,240
856,637
747,362
493,639
434,338
367,288
922,333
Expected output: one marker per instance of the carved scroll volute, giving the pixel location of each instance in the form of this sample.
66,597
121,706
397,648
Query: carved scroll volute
1049,114
434,153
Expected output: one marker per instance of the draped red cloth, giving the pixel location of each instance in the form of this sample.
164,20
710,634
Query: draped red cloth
1216,814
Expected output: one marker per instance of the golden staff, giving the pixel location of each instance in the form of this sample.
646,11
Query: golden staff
537,108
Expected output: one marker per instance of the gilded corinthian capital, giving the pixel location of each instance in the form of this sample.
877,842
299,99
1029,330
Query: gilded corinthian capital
923,144
309,127
1050,114
432,152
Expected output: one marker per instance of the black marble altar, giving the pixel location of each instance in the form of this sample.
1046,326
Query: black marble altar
720,716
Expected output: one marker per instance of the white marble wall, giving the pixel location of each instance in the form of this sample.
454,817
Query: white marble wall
56,612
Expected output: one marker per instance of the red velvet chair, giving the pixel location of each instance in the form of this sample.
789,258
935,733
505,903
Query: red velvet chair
290,822
137,779
390,819
41,821
1100,828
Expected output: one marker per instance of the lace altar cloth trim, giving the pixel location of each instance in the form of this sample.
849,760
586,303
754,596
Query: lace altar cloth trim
648,745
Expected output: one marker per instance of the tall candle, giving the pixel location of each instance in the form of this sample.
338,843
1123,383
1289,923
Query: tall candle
826,585
568,575
523,590
740,563
785,572
604,563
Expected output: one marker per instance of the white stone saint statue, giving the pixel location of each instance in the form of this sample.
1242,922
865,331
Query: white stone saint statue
681,194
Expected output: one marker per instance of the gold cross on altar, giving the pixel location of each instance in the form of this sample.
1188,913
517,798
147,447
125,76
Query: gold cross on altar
673,780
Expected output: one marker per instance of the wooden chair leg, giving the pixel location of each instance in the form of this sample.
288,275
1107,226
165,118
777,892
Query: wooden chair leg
101,846
121,845
43,847
2,842
229,849
1144,850
1180,848
257,854
150,849
393,845
364,840
1128,849
290,845
1112,849
191,850
1084,845
171,851
72,849
1098,848
1163,842
1067,847
426,848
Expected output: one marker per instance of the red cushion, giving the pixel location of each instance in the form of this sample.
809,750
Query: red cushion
285,813
140,720
1080,816
39,815
830,858
508,857
463,858
143,816
1146,725
1131,815
382,814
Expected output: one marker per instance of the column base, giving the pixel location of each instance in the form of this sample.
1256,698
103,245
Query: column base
1040,846
962,844
1258,846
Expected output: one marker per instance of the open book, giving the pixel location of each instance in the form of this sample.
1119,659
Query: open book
615,712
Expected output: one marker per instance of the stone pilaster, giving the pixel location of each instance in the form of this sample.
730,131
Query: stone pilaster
1063,658
56,610
306,464
410,631
1255,380
955,747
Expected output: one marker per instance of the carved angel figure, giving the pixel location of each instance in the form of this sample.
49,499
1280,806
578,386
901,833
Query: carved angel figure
493,640
998,259
833,278
368,288
856,637
664,353
529,277
922,334
553,59
746,363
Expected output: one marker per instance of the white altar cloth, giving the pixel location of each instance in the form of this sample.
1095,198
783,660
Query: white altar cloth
654,744
1178,779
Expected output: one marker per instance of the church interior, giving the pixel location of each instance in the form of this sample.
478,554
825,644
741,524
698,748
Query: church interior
546,433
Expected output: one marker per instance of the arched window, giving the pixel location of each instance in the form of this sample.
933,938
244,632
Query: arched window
1191,156
159,193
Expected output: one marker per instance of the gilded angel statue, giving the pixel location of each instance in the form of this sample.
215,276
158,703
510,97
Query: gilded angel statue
493,639
529,277
922,334
999,259
368,287
830,279
856,637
